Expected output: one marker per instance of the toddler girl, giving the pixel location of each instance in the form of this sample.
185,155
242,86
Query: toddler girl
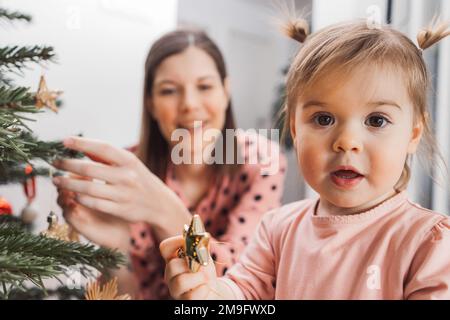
356,110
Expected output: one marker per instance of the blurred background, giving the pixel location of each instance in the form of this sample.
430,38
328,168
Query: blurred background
102,44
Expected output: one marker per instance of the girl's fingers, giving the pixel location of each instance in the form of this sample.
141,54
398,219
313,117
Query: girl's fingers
174,268
170,246
84,187
183,284
102,205
88,170
98,150
186,282
199,293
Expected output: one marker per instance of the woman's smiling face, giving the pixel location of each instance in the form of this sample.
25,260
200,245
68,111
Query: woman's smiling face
189,94
353,133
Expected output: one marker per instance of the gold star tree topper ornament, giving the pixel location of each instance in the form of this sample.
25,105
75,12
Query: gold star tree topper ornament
196,249
46,98
59,231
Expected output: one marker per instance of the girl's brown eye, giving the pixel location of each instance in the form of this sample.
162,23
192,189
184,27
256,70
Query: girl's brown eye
324,120
377,121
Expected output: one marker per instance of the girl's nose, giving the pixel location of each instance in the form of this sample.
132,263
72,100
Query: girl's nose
347,140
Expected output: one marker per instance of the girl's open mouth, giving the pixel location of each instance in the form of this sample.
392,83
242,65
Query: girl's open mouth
346,178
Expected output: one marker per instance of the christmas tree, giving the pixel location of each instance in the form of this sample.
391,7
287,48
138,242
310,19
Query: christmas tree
26,257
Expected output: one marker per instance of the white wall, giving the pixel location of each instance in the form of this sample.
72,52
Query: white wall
326,12
101,48
254,50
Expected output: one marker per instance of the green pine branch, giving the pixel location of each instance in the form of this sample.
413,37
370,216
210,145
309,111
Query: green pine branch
13,119
28,257
12,173
16,97
17,57
12,125
5,81
25,257
14,15
25,147
12,220
47,150
61,293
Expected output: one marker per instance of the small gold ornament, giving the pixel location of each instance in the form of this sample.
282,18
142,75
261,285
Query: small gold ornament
46,98
196,249
106,292
59,231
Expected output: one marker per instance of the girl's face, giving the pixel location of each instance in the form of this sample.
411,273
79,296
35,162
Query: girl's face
352,135
188,93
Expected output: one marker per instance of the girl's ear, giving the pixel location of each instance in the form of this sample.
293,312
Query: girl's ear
416,136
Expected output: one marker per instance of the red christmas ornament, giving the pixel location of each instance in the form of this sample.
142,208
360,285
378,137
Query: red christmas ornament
28,169
5,207
29,213
29,186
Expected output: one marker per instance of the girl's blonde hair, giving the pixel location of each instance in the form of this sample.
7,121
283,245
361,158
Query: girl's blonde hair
345,46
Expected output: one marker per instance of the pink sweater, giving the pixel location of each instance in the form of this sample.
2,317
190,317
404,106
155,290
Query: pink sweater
397,250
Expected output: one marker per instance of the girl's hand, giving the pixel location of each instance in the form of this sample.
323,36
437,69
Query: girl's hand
100,228
128,190
184,284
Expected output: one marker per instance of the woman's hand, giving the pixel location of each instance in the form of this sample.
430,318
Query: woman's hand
186,285
127,189
100,228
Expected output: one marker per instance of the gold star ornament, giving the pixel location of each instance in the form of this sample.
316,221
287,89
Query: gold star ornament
196,248
45,97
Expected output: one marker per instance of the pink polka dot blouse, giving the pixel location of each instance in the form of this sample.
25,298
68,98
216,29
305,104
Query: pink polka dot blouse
231,210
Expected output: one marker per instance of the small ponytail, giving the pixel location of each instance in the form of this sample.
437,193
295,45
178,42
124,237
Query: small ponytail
433,34
297,29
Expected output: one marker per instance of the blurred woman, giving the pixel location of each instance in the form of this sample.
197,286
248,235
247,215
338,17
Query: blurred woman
133,199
